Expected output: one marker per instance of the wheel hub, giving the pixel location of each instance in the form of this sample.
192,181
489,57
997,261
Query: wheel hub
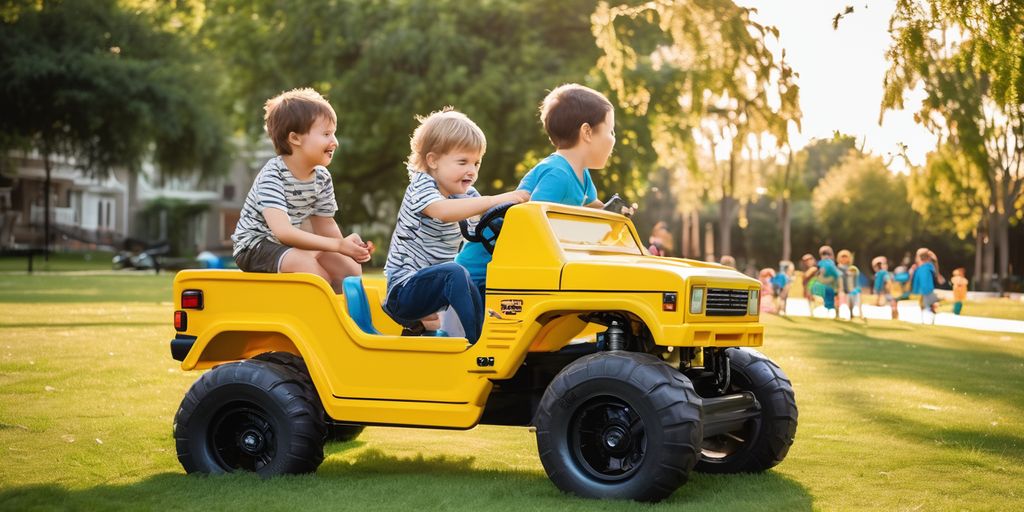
251,442
616,439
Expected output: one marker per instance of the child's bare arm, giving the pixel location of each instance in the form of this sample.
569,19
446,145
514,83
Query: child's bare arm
283,230
325,226
454,210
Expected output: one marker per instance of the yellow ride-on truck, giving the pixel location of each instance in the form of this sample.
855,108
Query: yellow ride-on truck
667,385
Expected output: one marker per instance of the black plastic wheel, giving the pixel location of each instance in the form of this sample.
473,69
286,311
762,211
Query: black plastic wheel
764,441
249,416
336,432
619,425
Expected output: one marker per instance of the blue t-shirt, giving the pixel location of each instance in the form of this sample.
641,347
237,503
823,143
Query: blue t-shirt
924,279
882,277
828,273
552,180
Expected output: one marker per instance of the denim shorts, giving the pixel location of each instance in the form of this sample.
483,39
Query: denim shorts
263,257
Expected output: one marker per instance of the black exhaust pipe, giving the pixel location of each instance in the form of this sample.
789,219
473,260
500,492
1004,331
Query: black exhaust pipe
727,413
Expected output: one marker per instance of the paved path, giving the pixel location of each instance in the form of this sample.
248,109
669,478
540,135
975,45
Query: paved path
910,312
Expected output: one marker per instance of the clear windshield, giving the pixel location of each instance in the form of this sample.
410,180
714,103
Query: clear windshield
592,234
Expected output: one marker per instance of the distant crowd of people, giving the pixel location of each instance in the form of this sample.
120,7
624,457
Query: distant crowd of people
833,280
836,281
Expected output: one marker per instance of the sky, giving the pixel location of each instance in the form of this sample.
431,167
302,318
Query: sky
841,73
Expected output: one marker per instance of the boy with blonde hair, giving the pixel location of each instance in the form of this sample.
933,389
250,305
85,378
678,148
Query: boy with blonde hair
422,277
292,187
580,123
849,283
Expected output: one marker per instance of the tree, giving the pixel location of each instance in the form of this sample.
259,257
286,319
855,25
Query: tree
382,63
699,72
92,81
967,56
863,205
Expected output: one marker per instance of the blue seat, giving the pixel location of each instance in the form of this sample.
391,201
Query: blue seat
358,306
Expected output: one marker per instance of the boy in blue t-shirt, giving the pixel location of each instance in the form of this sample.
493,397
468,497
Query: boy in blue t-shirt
580,123
828,276
922,281
883,285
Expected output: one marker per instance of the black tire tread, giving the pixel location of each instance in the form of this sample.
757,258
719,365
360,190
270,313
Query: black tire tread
671,396
774,391
305,451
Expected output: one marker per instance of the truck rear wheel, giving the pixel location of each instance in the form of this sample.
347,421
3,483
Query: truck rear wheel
764,440
619,425
336,432
249,416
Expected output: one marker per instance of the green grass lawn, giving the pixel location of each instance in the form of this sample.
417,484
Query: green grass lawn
893,416
90,260
1009,309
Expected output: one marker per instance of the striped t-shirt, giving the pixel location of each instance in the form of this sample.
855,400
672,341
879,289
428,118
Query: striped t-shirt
276,187
420,241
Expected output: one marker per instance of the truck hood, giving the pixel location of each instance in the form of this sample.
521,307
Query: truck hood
654,273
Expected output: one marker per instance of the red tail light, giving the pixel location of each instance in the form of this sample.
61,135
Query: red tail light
192,299
180,321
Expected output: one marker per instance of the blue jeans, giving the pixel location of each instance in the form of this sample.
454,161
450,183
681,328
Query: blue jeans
433,288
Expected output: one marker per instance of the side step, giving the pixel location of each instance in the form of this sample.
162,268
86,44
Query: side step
727,413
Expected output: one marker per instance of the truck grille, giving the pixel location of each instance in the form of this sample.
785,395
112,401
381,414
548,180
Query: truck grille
726,302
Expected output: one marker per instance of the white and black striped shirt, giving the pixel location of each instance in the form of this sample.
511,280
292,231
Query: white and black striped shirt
420,241
276,187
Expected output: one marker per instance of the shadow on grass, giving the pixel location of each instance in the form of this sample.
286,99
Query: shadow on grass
934,435
857,352
374,480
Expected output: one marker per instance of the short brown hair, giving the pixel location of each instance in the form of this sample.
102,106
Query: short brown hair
566,108
442,132
294,111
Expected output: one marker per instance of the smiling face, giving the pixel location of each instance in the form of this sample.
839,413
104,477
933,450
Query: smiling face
601,141
318,145
454,172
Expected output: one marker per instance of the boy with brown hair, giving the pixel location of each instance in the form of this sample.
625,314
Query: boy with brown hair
295,186
580,123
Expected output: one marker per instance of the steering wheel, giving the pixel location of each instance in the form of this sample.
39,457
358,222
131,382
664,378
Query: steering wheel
488,228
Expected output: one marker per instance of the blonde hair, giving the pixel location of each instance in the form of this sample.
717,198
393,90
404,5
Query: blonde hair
846,253
294,111
442,132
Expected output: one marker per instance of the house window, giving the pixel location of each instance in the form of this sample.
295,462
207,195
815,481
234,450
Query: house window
229,192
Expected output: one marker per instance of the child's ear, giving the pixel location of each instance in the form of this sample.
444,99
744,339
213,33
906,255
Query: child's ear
586,132
431,160
294,139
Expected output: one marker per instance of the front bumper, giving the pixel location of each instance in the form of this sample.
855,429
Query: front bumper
713,334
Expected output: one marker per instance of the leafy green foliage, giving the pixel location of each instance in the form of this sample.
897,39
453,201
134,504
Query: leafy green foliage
968,57
91,80
864,207
382,63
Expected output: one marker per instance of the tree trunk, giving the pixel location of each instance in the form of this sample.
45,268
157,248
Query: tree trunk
695,234
46,204
709,243
684,249
988,261
978,249
784,219
725,209
1003,246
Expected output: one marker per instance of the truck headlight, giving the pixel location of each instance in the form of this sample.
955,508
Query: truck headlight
697,301
753,302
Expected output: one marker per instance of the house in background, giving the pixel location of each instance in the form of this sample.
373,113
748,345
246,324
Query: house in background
123,209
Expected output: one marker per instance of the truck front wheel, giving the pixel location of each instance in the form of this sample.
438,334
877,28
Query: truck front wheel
619,425
764,440
249,416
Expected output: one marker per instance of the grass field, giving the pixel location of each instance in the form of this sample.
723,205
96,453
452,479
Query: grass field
90,260
893,416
